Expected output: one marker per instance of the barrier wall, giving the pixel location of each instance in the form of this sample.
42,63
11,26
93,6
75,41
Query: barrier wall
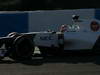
97,14
44,20
13,22
41,20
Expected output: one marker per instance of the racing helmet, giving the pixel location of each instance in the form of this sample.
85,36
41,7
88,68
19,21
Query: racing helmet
75,17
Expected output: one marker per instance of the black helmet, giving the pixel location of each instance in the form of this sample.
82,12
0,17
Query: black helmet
75,17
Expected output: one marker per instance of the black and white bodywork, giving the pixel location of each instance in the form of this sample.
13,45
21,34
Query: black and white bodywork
80,35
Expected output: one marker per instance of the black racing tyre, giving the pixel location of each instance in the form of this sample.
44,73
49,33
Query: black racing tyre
9,44
22,48
96,48
96,51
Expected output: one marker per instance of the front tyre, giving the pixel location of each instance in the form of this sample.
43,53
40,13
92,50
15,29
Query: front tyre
22,48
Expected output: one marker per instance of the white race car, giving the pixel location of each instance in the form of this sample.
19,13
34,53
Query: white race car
80,35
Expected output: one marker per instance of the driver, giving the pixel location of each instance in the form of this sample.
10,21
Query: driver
63,28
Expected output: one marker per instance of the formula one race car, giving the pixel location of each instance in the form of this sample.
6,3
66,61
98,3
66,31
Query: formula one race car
78,36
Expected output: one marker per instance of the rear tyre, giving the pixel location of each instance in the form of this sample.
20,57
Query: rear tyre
96,48
22,48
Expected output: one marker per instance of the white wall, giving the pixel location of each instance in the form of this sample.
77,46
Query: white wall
44,20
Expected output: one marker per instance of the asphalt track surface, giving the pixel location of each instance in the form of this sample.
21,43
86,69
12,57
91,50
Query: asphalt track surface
78,64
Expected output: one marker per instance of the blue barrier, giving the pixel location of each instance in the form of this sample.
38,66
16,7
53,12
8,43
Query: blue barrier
13,22
25,21
97,14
